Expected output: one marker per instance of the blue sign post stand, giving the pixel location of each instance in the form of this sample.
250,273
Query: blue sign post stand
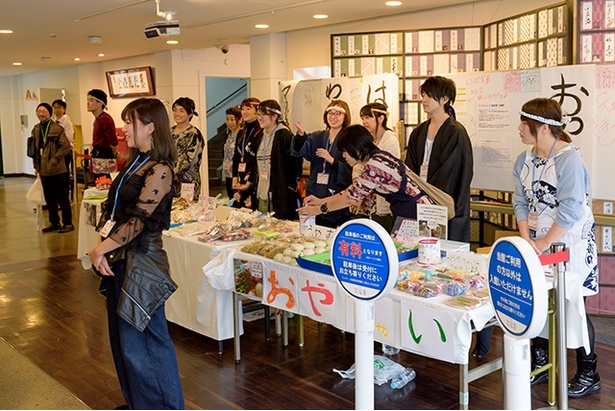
518,291
365,264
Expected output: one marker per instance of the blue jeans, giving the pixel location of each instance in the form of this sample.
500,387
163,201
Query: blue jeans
145,361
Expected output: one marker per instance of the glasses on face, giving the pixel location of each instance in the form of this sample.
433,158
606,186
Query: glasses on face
334,113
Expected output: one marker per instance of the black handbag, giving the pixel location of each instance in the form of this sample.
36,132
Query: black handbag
31,150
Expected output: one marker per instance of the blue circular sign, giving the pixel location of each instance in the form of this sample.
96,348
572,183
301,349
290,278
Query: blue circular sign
517,293
364,259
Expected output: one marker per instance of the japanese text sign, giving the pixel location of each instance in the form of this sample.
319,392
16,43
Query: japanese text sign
517,287
364,259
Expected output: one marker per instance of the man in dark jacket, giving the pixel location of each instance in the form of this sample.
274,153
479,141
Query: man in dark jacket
51,148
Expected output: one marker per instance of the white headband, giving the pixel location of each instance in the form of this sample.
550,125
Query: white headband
549,121
273,110
336,108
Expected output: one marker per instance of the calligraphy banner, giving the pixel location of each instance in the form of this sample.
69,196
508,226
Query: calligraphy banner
318,297
488,105
280,286
306,100
432,333
386,328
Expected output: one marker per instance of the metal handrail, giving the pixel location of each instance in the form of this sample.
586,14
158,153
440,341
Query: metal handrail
486,206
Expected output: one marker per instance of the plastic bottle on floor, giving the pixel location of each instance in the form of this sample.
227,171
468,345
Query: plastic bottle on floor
403,378
389,349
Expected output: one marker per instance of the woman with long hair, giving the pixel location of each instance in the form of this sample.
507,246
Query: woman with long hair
382,173
133,265
374,118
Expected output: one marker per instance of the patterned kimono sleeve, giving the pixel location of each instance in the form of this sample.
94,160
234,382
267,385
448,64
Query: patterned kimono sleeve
158,183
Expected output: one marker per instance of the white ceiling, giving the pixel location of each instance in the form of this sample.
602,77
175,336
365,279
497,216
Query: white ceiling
59,30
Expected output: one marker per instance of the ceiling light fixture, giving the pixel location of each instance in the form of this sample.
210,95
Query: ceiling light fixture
172,42
95,39
101,54
17,63
6,31
77,59
393,3
320,16
262,26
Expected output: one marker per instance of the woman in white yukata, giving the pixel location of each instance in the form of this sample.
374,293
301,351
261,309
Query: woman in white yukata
552,204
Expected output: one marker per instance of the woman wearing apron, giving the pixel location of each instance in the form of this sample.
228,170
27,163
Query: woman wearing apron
552,204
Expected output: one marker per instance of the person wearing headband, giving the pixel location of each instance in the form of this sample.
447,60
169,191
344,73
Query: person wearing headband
245,169
374,118
104,135
278,172
382,173
329,172
552,203
189,142
440,151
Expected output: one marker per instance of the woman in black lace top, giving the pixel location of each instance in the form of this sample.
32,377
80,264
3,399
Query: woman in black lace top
133,265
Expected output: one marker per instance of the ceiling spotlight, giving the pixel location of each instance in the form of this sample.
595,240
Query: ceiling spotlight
320,16
393,3
262,26
101,54
77,59
172,42
6,31
95,39
17,63
45,59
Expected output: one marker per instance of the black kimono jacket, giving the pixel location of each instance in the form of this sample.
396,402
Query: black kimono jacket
285,173
253,135
450,169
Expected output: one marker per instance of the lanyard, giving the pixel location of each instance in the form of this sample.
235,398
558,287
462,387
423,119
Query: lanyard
429,147
117,191
534,199
244,142
268,140
46,133
327,147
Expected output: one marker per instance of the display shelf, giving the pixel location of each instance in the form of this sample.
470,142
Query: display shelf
596,28
537,38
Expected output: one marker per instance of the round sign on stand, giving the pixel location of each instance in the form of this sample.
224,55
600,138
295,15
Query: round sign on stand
364,259
365,264
518,291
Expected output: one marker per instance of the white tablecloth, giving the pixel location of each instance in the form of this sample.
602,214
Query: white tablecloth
196,305
425,326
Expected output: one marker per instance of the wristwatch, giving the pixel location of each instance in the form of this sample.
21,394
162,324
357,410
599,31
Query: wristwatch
323,208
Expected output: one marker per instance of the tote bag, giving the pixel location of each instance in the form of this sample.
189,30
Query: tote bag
35,194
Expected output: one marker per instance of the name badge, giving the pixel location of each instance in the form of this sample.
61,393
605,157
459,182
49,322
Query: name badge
424,170
264,176
241,167
107,228
532,221
322,178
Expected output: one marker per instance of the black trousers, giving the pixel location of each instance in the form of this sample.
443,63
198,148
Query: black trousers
55,189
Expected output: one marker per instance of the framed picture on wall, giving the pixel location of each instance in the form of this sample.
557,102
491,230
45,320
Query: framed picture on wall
133,82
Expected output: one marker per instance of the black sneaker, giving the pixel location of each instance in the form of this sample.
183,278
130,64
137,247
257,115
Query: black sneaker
66,228
50,228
